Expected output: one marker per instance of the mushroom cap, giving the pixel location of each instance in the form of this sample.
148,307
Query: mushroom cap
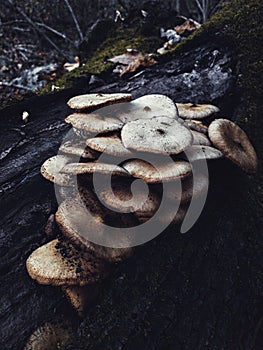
233,142
200,139
79,149
89,101
166,172
71,217
91,168
93,123
144,107
198,152
109,144
200,184
161,135
51,170
122,198
196,125
196,111
49,336
81,297
60,263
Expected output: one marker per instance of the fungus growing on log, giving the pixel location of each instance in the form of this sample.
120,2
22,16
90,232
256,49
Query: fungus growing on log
145,140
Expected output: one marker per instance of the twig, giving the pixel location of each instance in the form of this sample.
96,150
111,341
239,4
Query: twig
35,26
54,31
74,19
21,87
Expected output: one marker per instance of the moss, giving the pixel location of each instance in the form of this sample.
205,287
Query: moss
238,24
119,41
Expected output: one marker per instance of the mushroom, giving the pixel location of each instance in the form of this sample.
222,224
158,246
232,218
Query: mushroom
49,336
144,107
91,168
109,144
78,149
89,101
60,263
197,152
161,135
74,223
233,142
166,171
200,139
196,111
93,123
196,125
122,198
52,167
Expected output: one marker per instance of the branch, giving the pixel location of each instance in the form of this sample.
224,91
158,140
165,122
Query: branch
53,31
74,19
22,13
17,86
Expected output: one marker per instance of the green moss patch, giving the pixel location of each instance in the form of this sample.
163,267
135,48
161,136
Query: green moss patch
117,44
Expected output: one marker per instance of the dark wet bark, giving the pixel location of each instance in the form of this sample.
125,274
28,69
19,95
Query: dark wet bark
202,290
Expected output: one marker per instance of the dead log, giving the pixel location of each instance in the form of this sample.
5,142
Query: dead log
200,290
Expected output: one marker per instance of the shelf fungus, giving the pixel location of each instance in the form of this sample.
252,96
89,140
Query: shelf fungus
145,142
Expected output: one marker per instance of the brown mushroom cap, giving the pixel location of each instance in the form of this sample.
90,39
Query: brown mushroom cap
174,218
200,139
49,336
78,149
195,111
51,170
93,123
233,142
197,152
91,168
89,101
146,107
71,217
110,145
166,172
60,263
122,198
196,125
158,135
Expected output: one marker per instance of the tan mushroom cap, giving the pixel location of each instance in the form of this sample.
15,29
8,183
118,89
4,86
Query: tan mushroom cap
166,172
122,198
146,107
51,170
91,168
109,144
196,111
200,139
78,149
93,123
49,336
71,218
159,135
233,142
81,297
89,101
60,263
197,152
196,125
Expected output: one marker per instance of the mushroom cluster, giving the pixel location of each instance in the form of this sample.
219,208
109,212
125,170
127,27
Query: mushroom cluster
150,138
